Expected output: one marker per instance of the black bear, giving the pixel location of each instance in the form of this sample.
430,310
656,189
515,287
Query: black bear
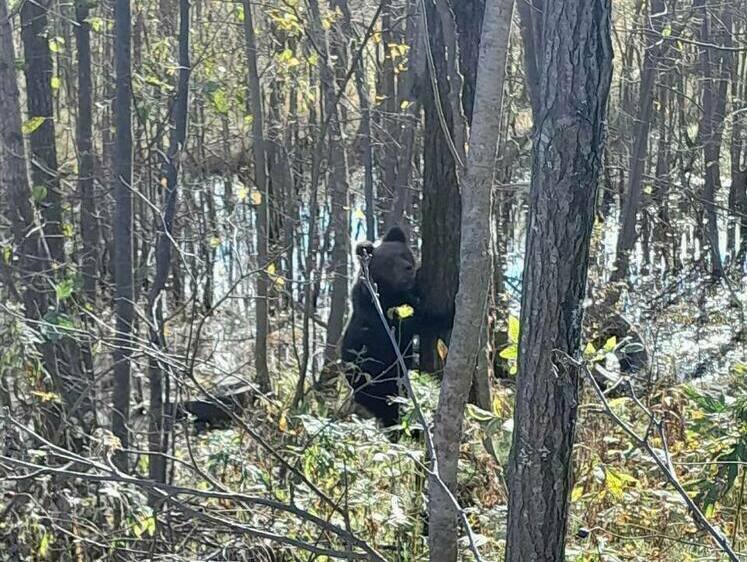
371,365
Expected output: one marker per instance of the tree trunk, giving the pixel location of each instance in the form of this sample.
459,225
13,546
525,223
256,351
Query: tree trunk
715,75
574,64
474,277
361,86
89,228
438,276
34,264
639,150
260,173
38,71
737,148
122,228
164,231
339,207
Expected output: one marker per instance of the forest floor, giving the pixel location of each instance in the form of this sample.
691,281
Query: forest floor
622,508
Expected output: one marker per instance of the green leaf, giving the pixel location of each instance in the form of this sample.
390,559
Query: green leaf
667,31
32,125
39,193
64,289
513,329
220,101
43,550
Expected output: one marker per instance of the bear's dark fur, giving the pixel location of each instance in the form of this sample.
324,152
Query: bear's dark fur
371,365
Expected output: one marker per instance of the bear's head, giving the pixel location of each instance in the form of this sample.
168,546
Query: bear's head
391,263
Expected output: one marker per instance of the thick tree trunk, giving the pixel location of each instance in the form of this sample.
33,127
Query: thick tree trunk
38,71
122,228
438,275
260,173
474,277
574,64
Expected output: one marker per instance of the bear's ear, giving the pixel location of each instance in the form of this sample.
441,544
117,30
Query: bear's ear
395,234
364,249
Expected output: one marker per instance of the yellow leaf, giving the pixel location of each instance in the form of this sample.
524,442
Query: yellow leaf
46,396
271,269
610,344
513,329
404,311
590,351
256,198
283,423
55,82
359,214
576,494
242,193
510,352
279,281
44,545
442,348
214,242
32,125
404,105
615,482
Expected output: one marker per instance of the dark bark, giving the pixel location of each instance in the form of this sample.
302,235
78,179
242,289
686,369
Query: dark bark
574,72
715,72
89,228
164,231
408,119
38,71
388,109
339,207
122,227
737,197
468,15
260,173
441,204
639,150
33,268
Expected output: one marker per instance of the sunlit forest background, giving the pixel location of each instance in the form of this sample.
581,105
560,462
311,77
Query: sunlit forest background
182,187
